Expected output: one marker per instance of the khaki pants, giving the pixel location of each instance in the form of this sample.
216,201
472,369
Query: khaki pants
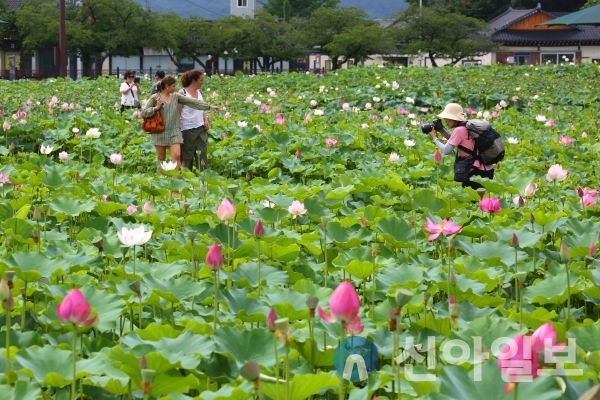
193,140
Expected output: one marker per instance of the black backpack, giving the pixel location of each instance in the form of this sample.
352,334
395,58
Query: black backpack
488,142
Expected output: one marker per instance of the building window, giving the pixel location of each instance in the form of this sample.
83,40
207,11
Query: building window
558,58
522,59
242,3
471,62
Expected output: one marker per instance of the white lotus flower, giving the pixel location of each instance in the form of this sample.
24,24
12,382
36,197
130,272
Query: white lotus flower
242,124
394,157
512,140
319,112
409,143
93,133
168,165
46,149
540,118
410,100
134,237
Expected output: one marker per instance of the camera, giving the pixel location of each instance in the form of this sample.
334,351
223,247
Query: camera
435,124
136,79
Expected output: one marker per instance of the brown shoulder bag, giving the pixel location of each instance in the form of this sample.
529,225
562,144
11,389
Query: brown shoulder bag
153,124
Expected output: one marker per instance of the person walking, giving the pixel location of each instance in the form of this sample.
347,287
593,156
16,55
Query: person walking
194,124
166,101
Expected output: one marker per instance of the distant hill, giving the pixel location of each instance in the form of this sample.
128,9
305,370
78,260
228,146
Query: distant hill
213,9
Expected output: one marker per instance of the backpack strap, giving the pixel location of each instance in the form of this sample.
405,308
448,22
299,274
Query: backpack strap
470,152
131,91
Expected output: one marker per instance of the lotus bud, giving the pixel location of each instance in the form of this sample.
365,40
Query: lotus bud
521,276
36,235
259,230
271,318
191,235
250,371
532,219
4,290
593,250
515,241
136,287
452,278
143,363
426,297
37,215
214,257
403,297
437,156
565,253
312,303
453,308
9,303
248,176
580,192
282,324
77,177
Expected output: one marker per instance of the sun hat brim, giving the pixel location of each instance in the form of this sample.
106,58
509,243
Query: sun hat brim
458,117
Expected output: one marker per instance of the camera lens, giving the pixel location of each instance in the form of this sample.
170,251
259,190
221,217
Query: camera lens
426,128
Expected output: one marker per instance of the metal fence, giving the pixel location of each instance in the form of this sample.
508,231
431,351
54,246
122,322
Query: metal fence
118,72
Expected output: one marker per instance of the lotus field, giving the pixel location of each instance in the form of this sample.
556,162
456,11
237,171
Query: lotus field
326,218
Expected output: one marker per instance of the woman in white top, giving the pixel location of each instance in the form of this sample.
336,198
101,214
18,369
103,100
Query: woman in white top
193,123
130,92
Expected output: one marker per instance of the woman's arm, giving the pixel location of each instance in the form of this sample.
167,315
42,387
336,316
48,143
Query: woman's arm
195,104
445,148
150,108
124,88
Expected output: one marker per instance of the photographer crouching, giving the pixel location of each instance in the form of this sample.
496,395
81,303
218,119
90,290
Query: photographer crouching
467,163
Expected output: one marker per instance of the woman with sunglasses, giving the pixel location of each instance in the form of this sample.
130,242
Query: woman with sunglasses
166,101
130,92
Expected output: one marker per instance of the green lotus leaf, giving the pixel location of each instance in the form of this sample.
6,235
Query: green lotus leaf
71,207
398,232
109,208
312,355
586,337
174,291
227,393
301,387
280,251
247,275
21,391
494,251
244,307
19,230
403,275
6,212
31,266
243,345
552,289
51,177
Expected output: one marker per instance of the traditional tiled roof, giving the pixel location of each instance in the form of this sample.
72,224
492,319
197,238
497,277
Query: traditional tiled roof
586,35
576,35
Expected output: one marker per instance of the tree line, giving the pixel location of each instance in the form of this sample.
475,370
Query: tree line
282,30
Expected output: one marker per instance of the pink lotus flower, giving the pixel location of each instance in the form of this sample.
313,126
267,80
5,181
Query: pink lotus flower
63,156
565,140
104,198
279,119
265,108
403,112
313,103
116,158
137,114
356,327
374,118
147,208
556,173
424,109
588,200
343,305
227,115
394,157
584,134
75,309
226,210
515,98
445,226
307,118
345,106
502,103
131,209
530,189
544,337
297,153
593,250
249,99
296,208
437,157
550,122
6,125
330,142
214,257
517,362
489,204
495,114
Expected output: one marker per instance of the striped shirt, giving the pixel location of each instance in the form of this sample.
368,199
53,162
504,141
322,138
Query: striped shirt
170,115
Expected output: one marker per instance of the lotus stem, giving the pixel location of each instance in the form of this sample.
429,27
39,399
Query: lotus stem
140,311
74,350
396,353
24,307
517,293
568,296
341,388
325,255
287,372
229,260
516,392
215,302
311,329
258,286
276,369
8,325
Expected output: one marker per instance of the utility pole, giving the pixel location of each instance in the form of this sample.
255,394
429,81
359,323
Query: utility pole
421,18
62,39
148,5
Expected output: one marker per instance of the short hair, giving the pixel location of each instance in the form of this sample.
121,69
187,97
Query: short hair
164,82
160,73
189,76
129,72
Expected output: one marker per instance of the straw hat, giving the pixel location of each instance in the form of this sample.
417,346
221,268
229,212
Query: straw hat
453,111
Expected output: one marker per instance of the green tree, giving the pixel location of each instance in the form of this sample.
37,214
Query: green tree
346,33
591,3
99,28
297,8
443,34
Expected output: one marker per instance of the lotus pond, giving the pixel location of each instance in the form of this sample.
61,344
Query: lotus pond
120,283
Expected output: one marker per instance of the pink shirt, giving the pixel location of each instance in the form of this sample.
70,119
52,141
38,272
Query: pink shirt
460,136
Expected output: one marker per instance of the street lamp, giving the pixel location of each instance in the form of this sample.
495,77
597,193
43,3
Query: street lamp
62,39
